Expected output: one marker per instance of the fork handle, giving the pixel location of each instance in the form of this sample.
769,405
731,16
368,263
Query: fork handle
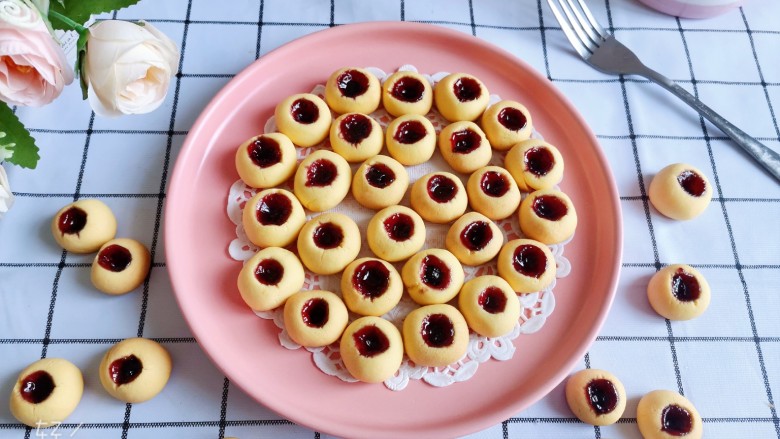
765,156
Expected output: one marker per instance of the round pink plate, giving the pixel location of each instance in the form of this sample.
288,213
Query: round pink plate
246,348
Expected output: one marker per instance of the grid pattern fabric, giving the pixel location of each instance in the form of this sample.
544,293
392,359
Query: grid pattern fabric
727,361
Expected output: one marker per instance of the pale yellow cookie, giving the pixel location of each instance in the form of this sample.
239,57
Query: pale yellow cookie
435,335
395,233
120,266
679,292
460,96
464,147
663,414
380,182
304,118
328,243
273,218
527,265
474,239
680,191
371,287
407,93
315,318
135,370
432,276
548,216
353,90
411,139
322,180
266,160
596,397
356,137
506,123
489,305
83,226
46,392
269,277
535,164
372,349
493,192
439,197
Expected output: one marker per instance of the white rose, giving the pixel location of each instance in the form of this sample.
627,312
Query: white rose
6,196
128,67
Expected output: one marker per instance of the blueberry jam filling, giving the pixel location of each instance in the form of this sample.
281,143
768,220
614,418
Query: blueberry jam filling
602,396
328,236
37,386
125,370
399,227
370,341
512,119
380,175
304,111
115,258
492,300
685,286
410,132
494,184
438,331
274,209
476,235
371,279
321,173
676,420
549,207
465,141
692,183
269,272
72,221
539,161
264,152
434,273
529,260
355,128
314,312
352,83
466,89
442,189
408,89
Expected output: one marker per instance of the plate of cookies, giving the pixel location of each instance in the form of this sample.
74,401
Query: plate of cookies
393,229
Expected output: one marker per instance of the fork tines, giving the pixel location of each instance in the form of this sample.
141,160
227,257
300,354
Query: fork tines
577,22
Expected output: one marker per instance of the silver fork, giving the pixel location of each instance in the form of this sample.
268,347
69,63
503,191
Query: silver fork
602,51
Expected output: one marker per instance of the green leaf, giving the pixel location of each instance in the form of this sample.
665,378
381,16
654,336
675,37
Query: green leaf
81,56
16,140
80,10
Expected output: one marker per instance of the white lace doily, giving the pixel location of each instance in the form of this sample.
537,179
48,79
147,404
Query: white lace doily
536,307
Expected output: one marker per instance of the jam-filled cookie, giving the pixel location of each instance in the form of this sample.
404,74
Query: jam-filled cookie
120,266
432,276
474,239
435,335
535,164
679,292
356,137
506,123
135,370
328,243
439,197
273,218
315,318
380,182
460,96
489,305
680,191
493,192
304,118
395,233
46,392
322,180
548,216
353,90
83,226
663,414
464,147
372,349
371,287
527,265
269,277
411,139
596,397
266,160
407,93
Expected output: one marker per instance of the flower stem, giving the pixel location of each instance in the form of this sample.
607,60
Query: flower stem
67,21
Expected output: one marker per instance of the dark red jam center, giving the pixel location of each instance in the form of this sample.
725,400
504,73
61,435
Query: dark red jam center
408,89
539,161
355,128
492,300
437,331
399,226
370,341
602,396
274,209
692,182
685,287
264,152
72,221
512,118
321,173
304,111
115,258
550,207
314,312
476,235
465,141
352,83
328,236
269,272
371,279
125,370
434,273
466,89
529,260
442,189
410,132
380,175
676,420
37,386
494,184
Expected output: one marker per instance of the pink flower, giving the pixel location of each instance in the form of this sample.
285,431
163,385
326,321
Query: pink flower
33,68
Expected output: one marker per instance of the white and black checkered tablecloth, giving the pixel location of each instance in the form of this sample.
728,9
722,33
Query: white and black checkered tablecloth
727,361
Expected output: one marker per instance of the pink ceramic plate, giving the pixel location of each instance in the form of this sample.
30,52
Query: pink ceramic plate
246,348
